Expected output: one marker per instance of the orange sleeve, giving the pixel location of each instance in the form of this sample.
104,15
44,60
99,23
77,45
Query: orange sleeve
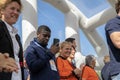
89,74
64,68
85,73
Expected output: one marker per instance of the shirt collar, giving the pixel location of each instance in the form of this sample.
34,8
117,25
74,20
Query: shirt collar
11,28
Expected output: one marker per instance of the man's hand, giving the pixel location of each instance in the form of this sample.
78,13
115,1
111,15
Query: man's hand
54,48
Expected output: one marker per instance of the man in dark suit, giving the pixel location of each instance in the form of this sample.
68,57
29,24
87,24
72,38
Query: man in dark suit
9,38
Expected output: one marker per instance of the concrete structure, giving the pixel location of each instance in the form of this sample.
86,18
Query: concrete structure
75,19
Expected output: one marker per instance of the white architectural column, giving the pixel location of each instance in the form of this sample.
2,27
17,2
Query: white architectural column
71,19
61,5
29,21
72,27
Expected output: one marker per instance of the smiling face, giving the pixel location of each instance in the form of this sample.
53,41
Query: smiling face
65,49
11,12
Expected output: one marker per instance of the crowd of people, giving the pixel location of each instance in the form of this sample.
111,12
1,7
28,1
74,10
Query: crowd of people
41,62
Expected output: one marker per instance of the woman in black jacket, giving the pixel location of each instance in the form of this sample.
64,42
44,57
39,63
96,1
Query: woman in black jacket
9,38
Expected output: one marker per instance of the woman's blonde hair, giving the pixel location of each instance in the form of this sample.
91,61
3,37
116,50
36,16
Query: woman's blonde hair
64,43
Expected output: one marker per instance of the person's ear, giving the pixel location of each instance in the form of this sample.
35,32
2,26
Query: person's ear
38,35
60,50
1,12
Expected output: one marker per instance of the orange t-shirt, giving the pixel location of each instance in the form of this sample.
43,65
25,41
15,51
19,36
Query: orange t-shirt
89,73
65,69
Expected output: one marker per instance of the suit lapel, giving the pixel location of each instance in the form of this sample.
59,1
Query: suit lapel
8,35
19,42
7,32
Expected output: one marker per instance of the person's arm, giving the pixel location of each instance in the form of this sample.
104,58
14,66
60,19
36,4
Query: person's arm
112,28
115,37
84,74
36,59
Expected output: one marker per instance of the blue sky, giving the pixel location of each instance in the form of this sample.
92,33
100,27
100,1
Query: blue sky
52,17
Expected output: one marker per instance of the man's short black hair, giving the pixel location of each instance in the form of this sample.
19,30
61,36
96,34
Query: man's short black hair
43,27
70,40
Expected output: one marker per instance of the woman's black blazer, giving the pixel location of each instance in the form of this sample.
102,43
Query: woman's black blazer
6,46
